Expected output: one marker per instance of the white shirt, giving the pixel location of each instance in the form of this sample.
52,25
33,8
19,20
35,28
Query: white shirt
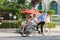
33,21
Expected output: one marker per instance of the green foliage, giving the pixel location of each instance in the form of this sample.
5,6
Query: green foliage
1,2
5,8
5,25
41,11
50,12
13,5
21,1
51,24
10,25
18,23
10,7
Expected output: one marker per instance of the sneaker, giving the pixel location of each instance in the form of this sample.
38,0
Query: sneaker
42,33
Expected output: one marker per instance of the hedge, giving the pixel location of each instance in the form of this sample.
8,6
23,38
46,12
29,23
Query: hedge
50,24
17,25
10,25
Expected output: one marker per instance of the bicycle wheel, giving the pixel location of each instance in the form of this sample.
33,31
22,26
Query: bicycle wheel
31,30
23,34
46,30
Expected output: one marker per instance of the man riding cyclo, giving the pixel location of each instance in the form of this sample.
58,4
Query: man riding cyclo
42,20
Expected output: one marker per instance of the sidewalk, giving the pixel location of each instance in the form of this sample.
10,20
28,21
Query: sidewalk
11,32
8,32
55,31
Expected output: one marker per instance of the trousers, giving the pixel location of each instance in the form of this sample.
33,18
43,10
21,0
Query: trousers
41,24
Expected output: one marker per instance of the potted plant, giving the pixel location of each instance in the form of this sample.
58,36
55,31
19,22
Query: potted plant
49,13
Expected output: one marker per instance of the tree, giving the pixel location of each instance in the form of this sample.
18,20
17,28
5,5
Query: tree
34,3
1,2
21,1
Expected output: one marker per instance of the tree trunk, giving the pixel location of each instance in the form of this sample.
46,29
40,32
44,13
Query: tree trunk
34,3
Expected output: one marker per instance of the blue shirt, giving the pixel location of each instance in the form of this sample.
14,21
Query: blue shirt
42,17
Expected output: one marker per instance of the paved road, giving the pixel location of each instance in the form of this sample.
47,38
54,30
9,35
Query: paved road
31,38
54,35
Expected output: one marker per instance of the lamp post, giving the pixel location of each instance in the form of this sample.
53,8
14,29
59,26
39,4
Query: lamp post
0,24
14,17
1,19
10,14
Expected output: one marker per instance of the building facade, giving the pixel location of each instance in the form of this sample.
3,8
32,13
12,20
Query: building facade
49,4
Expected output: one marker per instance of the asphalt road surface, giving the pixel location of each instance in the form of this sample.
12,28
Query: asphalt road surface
31,38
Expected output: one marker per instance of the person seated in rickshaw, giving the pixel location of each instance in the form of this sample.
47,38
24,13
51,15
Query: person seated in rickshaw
25,23
31,20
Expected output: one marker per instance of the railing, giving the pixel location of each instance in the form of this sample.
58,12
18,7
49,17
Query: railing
9,21
55,18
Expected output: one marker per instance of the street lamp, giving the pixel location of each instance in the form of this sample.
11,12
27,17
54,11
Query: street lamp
0,24
14,17
10,14
1,19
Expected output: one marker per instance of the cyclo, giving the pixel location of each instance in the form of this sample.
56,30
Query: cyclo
30,29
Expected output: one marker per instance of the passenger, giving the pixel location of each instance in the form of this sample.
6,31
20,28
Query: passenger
34,19
25,23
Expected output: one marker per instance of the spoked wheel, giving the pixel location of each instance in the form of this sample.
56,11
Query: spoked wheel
31,30
23,34
46,30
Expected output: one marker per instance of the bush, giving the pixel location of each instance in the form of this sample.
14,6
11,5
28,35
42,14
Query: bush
4,25
41,10
10,25
17,25
51,24
50,12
